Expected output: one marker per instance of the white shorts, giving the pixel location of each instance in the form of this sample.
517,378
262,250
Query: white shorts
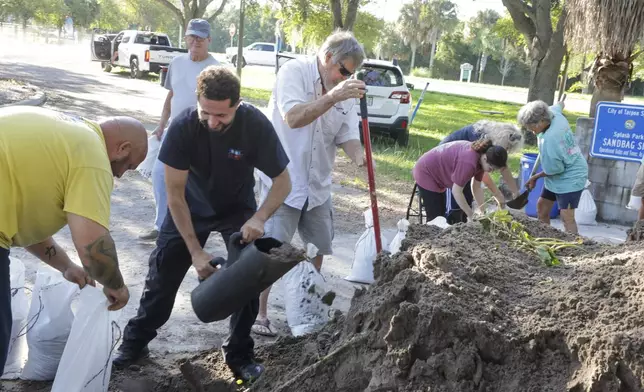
314,226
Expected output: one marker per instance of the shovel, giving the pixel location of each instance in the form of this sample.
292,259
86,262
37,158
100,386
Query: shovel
520,201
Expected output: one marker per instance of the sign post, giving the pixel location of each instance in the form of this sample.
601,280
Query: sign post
232,30
619,132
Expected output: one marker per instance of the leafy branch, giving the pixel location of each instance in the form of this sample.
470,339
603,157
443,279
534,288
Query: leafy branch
501,224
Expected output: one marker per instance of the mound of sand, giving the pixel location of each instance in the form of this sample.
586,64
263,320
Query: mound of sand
460,310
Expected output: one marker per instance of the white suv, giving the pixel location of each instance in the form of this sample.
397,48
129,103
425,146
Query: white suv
388,99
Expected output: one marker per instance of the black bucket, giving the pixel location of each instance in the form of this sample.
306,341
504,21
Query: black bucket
248,271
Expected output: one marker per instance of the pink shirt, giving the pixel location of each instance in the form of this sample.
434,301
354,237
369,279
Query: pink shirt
448,164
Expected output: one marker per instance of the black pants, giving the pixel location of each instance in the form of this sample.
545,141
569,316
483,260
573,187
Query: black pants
5,307
435,205
169,263
456,214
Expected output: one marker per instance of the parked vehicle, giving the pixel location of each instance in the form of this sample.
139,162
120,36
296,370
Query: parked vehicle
388,99
139,51
259,53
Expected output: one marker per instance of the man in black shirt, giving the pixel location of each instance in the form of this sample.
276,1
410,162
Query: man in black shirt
209,155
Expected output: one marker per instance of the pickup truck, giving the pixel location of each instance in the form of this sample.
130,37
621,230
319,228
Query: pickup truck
259,53
140,51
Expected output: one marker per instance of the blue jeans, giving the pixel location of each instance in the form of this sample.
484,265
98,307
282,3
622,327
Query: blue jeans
5,307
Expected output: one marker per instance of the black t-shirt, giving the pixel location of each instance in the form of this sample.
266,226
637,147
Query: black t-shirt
220,179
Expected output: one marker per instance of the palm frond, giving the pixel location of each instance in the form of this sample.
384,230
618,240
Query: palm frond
610,27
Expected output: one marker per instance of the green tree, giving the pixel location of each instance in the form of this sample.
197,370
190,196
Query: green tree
483,39
191,9
412,27
439,16
542,24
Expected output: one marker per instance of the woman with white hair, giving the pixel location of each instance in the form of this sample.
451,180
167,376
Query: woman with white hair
563,166
501,134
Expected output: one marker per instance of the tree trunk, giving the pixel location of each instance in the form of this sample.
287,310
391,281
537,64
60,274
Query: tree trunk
483,65
544,73
413,57
240,38
336,9
611,76
564,76
352,14
476,67
431,58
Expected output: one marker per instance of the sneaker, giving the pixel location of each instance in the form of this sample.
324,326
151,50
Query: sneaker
150,236
248,373
127,356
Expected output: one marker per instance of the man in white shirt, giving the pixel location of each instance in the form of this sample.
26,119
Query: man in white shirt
313,111
181,81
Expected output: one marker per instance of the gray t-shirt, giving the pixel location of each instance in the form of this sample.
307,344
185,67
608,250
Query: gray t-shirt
182,80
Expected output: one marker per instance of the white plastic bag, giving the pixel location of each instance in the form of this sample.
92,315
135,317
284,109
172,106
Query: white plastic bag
586,212
634,203
306,312
439,221
365,253
50,321
394,246
86,365
19,309
145,168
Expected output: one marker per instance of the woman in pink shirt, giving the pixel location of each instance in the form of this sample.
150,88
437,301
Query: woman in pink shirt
452,166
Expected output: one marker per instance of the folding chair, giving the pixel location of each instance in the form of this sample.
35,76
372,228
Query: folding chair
411,211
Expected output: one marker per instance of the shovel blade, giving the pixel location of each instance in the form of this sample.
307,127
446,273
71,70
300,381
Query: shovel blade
520,201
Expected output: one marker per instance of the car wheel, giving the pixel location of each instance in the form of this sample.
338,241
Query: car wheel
402,138
135,73
107,67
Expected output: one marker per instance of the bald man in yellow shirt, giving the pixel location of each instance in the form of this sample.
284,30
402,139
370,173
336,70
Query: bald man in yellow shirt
57,170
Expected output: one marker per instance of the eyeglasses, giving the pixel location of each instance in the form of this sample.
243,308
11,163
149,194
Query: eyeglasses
344,71
195,38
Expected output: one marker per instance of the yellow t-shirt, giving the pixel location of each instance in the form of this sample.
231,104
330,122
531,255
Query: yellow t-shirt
50,164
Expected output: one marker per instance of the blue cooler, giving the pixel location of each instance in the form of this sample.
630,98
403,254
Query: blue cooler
527,163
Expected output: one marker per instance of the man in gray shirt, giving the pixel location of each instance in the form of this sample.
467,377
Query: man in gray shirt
181,81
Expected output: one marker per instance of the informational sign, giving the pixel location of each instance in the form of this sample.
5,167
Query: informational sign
619,132
232,29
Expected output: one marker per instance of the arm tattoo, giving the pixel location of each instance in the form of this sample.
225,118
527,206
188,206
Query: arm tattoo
50,251
102,262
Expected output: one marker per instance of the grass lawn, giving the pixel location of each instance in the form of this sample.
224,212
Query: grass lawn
439,115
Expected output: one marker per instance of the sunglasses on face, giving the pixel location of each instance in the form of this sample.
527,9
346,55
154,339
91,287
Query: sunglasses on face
344,71
195,38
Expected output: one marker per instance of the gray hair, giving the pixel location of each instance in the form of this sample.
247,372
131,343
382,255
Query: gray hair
533,112
343,45
506,135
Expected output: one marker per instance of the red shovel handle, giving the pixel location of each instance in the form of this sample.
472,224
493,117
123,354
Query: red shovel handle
366,136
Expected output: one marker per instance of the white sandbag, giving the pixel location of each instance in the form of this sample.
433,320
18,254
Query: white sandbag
145,168
365,253
306,311
586,212
634,203
439,221
19,308
86,364
394,246
50,321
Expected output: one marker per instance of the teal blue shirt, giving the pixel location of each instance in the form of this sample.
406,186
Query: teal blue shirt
561,159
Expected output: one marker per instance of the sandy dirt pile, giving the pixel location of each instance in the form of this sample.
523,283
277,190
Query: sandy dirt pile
459,310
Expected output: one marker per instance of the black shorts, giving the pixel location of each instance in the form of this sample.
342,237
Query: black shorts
564,200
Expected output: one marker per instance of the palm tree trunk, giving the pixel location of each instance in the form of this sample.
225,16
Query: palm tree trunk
431,58
413,57
476,68
611,76
483,65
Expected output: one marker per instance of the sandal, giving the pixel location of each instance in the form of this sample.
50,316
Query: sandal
263,328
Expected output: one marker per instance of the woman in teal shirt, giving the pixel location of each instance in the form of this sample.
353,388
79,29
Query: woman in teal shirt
564,169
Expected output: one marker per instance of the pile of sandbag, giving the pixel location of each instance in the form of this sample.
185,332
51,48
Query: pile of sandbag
49,341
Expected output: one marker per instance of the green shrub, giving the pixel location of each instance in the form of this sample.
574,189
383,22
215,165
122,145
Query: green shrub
576,87
421,72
